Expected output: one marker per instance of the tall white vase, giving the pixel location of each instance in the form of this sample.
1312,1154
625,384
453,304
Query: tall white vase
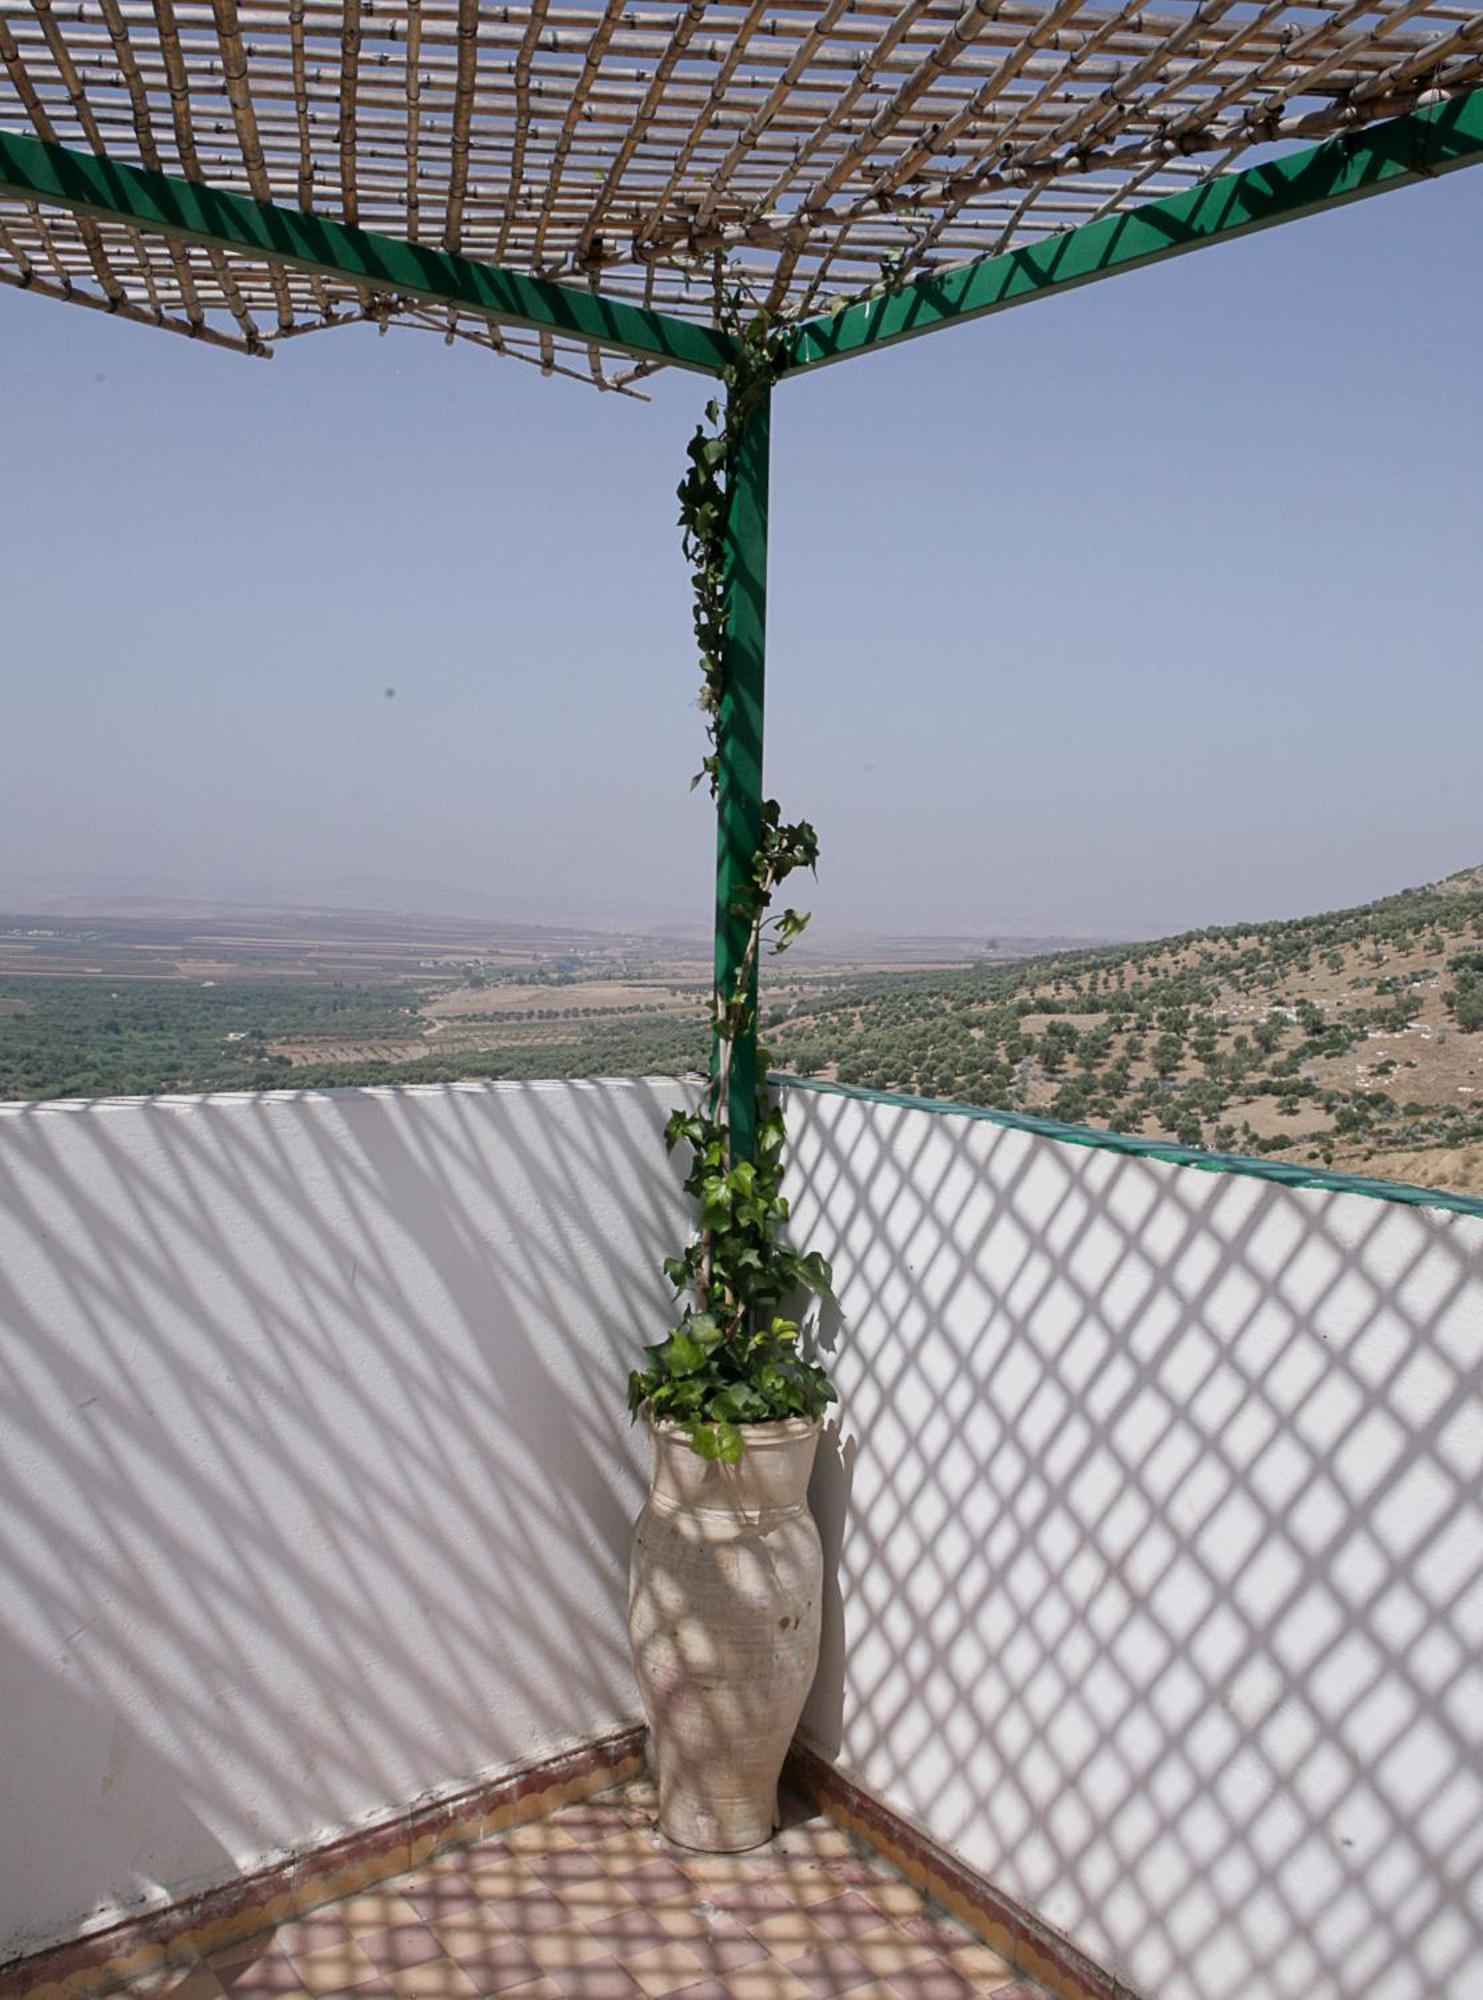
723,1618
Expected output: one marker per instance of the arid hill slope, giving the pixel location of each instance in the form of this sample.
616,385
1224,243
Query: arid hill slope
1354,1038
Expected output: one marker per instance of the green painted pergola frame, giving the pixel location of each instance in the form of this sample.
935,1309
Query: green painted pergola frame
1421,145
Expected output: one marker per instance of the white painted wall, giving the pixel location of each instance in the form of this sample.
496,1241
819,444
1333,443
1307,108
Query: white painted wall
1160,1584
1156,1498
315,1481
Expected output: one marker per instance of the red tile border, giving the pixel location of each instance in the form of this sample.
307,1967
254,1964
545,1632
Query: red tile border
237,1910
1022,1939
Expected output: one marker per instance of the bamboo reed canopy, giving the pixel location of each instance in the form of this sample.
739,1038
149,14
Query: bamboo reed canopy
656,153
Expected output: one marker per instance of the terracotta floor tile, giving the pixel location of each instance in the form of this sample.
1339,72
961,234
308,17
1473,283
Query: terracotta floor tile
598,1979
846,1916
335,1968
433,1979
706,1989
556,1952
894,1898
715,1872
589,1902
805,1882
447,1896
493,1962
888,1952
363,1989
858,1870
657,1881
263,1974
749,1902
985,1969
395,1951
568,1864
789,1934
936,1928
592,1905
817,1839
495,1878
320,1930
726,1949
628,1849
768,1981
634,1929
468,1934
525,1915
538,1836
933,1979
497,1976
296,1992
687,1920
830,1968
596,1819
375,1910
665,1968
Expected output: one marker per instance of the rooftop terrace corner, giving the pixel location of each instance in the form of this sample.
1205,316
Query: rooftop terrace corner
1151,1577
1151,1512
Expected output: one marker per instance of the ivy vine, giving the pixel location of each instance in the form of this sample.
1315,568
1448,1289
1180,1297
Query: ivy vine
739,1351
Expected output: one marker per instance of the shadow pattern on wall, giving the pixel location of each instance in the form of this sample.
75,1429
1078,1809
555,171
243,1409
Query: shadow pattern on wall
315,1483
1161,1587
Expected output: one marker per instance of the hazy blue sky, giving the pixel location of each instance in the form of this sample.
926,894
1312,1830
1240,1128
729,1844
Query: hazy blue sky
1153,605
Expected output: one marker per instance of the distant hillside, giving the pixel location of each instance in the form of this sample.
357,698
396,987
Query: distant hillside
1351,1038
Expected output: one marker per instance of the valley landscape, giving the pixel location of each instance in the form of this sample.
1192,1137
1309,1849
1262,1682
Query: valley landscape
1351,1039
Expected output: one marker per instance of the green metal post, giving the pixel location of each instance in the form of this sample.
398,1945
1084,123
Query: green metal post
739,747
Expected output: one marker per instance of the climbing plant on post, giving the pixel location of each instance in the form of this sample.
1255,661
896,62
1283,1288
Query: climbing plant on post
735,1355
738,749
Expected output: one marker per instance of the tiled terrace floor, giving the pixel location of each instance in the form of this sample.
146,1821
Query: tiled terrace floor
592,1905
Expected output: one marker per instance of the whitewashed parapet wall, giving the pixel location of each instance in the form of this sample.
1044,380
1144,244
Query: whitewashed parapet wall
1155,1503
315,1480
1156,1507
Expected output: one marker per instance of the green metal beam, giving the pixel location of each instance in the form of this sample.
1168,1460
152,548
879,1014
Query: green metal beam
162,205
1419,146
739,747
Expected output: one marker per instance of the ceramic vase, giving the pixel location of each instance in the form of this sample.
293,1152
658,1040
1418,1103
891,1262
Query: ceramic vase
723,1618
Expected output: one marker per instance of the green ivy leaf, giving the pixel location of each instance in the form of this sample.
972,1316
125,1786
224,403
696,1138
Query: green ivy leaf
719,1441
730,1440
682,1355
742,1403
817,1274
703,1329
